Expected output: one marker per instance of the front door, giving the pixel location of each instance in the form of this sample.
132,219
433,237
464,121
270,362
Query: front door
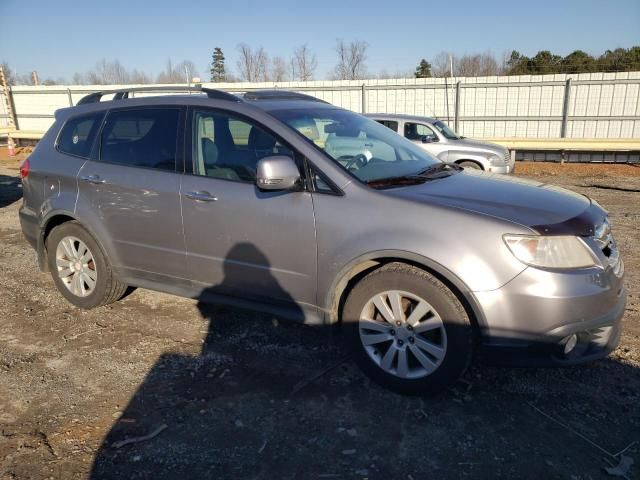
419,132
241,241
130,190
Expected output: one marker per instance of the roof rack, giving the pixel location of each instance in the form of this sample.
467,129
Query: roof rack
123,93
279,95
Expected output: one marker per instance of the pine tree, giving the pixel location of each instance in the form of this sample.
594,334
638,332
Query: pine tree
218,73
423,70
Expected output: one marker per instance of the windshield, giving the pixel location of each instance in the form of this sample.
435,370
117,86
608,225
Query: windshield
363,147
444,129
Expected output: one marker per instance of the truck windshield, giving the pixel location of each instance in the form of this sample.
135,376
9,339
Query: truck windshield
444,129
363,147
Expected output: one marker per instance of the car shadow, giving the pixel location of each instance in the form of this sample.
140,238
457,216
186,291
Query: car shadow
10,190
267,399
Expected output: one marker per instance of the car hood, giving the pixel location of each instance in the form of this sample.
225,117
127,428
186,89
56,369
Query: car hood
540,206
478,145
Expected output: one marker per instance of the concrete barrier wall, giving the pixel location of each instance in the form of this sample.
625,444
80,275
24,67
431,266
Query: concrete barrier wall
599,105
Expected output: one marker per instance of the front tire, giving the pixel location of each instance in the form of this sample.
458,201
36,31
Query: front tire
470,165
408,331
80,269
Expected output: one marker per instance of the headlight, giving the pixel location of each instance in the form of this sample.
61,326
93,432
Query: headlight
551,252
495,159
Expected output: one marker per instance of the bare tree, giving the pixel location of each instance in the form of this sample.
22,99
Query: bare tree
78,79
139,77
477,65
108,73
303,63
9,74
252,65
181,72
440,65
351,60
278,71
384,74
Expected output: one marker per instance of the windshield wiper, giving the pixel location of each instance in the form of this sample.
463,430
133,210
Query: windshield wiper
438,168
430,173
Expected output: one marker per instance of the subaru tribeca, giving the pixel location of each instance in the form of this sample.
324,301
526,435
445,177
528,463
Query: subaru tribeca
239,200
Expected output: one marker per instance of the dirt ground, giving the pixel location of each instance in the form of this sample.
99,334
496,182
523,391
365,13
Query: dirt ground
234,394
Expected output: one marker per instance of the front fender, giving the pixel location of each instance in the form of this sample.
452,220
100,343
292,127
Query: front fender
461,155
332,297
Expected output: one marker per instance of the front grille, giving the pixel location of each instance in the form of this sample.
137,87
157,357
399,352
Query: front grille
507,157
605,241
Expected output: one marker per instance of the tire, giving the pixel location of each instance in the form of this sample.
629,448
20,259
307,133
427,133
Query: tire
73,270
442,331
470,164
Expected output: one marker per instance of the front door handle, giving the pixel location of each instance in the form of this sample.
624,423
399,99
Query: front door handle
202,196
95,179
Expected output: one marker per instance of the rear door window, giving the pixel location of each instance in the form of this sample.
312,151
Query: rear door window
78,134
141,138
391,124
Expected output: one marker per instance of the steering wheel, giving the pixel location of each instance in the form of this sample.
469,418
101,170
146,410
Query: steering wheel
360,160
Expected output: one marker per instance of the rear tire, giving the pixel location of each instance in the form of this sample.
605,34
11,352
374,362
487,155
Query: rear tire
408,331
79,268
471,165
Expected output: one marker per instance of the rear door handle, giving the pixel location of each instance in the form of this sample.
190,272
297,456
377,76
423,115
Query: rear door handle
93,179
202,196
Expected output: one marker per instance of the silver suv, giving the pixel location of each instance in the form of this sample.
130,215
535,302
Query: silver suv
241,200
439,140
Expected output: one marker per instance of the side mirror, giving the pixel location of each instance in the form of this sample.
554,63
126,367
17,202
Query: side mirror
426,139
277,172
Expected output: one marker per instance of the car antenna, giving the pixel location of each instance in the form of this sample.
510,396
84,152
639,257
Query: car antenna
432,112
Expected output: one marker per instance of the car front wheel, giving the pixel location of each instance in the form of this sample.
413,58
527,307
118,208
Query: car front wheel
408,331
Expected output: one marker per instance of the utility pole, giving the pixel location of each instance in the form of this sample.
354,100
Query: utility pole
34,78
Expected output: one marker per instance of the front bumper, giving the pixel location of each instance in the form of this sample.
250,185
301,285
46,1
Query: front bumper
529,320
508,168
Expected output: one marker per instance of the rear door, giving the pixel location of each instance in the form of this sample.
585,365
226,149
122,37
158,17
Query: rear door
129,190
390,124
242,241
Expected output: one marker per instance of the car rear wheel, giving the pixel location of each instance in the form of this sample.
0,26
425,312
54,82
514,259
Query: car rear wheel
79,269
408,331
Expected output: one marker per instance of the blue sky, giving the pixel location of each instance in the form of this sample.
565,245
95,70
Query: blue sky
60,37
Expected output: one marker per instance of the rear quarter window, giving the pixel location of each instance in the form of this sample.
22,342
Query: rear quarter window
79,133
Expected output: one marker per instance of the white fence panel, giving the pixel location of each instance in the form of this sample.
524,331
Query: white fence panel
601,105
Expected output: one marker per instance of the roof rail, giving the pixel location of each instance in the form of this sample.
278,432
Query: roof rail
279,95
123,93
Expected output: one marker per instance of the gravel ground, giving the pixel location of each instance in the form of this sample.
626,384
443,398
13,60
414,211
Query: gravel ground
244,395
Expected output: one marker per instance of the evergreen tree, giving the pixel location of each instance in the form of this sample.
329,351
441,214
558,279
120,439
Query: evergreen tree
218,73
423,70
578,62
517,64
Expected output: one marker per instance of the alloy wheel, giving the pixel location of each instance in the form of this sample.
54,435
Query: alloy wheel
76,266
403,334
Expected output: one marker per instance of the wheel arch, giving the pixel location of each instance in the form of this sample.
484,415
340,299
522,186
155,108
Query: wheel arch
52,220
353,271
477,162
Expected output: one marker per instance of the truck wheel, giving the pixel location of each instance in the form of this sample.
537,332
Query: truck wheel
408,331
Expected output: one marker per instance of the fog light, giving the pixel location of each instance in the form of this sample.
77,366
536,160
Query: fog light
570,344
